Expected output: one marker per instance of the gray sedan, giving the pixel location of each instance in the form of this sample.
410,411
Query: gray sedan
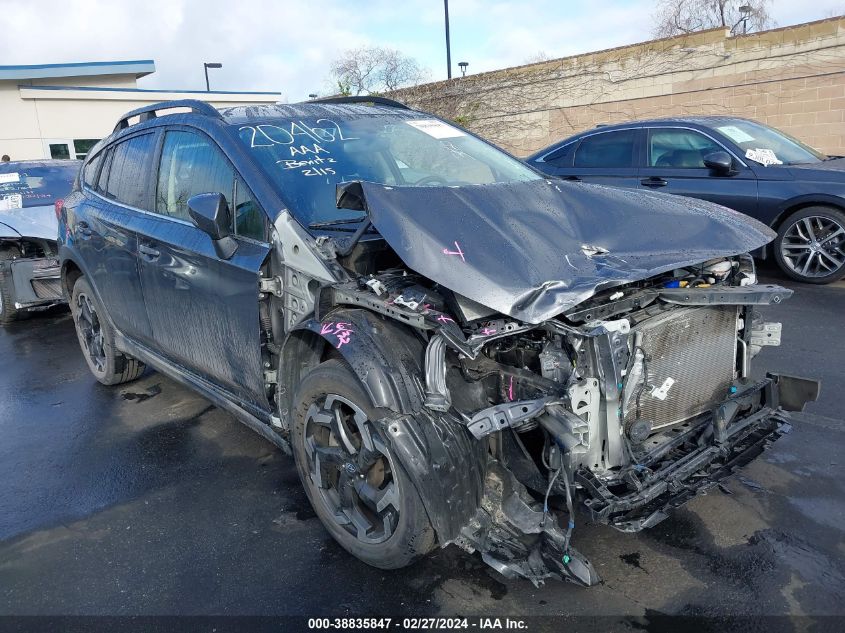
29,269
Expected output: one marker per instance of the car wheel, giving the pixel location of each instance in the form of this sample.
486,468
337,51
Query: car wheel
8,311
810,245
96,338
357,487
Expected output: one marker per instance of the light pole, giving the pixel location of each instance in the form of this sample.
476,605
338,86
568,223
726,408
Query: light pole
745,12
206,66
448,45
463,66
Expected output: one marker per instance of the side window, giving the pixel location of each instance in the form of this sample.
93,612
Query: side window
249,219
127,174
104,172
90,174
190,164
607,149
679,149
562,156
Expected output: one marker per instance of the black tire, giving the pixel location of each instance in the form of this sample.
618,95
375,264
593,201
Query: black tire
809,243
8,312
403,525
96,338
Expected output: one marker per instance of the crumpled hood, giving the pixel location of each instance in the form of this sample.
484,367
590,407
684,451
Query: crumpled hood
532,250
38,222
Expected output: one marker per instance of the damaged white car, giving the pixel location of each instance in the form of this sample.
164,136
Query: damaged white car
29,266
455,349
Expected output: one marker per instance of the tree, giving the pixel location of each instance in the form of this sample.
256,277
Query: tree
676,17
375,69
539,56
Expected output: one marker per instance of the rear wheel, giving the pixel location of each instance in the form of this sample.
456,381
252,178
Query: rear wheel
810,245
96,338
8,311
358,489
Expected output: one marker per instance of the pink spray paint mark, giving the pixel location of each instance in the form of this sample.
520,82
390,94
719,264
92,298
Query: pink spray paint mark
340,330
343,337
458,251
444,319
510,391
488,331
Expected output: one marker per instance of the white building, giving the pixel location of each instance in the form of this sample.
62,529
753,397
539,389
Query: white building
61,110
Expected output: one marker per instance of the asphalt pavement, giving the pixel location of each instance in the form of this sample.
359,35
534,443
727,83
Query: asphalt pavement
144,499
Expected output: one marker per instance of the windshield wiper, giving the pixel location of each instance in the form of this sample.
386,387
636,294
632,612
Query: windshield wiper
322,225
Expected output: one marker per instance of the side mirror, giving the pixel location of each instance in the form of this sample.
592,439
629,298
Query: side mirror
210,213
350,195
720,162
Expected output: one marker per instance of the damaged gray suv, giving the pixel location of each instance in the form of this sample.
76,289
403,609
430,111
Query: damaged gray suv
454,349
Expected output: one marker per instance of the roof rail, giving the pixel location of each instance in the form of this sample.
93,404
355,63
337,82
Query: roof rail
362,99
146,113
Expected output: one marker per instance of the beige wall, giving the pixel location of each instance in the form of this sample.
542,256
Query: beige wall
29,116
792,78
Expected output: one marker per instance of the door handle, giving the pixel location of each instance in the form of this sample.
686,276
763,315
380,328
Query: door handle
573,178
148,253
84,229
654,181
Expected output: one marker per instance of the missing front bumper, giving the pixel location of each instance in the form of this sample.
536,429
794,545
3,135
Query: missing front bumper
707,454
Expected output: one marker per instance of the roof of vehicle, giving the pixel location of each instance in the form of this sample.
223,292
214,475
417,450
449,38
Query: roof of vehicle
29,164
341,107
245,114
705,121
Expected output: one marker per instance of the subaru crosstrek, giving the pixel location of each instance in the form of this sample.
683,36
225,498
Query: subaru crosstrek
454,348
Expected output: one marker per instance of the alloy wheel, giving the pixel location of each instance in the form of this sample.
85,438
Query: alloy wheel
351,469
814,246
92,332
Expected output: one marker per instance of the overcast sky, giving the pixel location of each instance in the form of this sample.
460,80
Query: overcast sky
287,45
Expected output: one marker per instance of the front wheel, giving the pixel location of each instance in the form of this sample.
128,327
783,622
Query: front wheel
810,245
354,482
96,338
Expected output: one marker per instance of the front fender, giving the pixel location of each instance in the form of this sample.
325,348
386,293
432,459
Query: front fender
386,356
444,462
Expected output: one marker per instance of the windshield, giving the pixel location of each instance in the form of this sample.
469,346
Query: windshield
768,146
25,185
308,157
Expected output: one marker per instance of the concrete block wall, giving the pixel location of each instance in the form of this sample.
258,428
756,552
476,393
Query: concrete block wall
792,78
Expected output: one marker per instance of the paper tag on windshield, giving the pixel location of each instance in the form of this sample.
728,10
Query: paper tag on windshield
10,177
735,134
15,201
436,128
765,156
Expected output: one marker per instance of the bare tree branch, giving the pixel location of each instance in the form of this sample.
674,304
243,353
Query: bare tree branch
376,69
676,17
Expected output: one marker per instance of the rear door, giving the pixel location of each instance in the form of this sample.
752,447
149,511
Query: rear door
204,309
117,192
606,158
675,164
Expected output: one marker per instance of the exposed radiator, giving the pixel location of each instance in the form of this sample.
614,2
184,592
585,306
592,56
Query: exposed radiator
692,356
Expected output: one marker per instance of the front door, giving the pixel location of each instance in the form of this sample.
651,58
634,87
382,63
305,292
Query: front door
675,164
203,309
